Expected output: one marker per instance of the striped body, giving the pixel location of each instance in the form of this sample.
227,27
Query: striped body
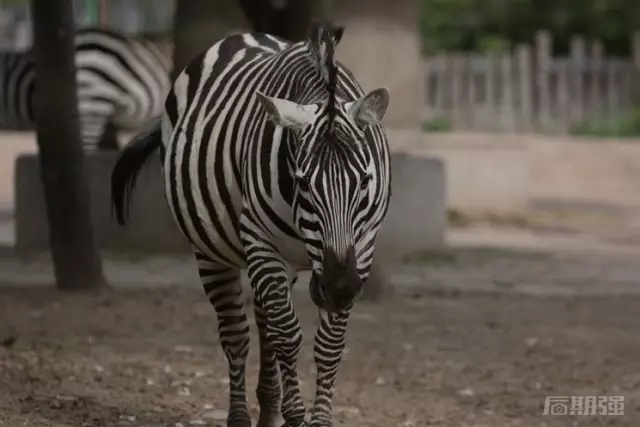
274,160
121,81
213,158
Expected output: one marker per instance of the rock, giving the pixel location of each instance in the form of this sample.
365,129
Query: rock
183,349
216,415
467,392
348,411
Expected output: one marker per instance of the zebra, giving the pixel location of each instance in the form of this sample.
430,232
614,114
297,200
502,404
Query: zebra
121,81
274,159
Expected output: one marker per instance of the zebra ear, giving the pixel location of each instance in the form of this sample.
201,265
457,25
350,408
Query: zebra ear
286,113
371,108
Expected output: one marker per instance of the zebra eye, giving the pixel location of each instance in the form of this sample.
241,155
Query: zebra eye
303,185
364,184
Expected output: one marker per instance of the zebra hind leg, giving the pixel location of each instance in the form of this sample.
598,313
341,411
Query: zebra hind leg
222,286
268,391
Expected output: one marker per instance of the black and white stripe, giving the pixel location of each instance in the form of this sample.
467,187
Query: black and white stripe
274,159
122,83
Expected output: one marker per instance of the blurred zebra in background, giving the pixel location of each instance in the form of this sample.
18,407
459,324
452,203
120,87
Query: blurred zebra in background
122,83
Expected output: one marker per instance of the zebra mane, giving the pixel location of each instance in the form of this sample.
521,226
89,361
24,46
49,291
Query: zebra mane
322,39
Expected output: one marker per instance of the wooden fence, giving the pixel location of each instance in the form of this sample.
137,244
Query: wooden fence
530,90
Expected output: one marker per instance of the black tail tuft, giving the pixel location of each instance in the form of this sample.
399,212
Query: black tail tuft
130,161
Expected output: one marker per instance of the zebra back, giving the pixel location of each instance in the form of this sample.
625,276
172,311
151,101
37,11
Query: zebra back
121,80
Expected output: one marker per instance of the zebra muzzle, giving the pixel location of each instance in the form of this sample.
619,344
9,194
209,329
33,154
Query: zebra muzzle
339,283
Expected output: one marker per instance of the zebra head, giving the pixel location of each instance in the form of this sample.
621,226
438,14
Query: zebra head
335,176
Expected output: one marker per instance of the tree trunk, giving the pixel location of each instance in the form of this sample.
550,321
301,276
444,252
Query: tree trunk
76,258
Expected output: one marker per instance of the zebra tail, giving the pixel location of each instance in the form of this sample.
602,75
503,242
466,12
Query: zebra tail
129,163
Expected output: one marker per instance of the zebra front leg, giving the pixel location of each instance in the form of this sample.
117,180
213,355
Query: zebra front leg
268,390
328,347
222,285
270,281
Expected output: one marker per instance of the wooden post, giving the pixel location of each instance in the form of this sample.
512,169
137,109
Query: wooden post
507,104
597,60
526,95
457,76
562,95
543,59
440,86
472,93
635,49
626,87
490,84
612,93
77,263
576,80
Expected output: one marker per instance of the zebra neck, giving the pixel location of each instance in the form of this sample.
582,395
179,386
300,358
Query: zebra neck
301,81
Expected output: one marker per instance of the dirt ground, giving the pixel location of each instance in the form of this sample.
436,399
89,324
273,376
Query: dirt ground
150,357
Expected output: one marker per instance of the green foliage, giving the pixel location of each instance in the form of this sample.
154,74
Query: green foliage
625,126
439,124
493,44
495,25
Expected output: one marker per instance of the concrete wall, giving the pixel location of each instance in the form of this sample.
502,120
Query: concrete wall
493,173
416,219
600,171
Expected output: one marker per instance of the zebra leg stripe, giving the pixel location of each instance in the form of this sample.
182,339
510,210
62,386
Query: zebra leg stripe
328,349
222,286
269,279
268,391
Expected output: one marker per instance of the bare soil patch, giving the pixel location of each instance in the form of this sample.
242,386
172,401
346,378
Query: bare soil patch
150,357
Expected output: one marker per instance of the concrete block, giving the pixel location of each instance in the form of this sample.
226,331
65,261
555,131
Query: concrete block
486,179
151,228
485,173
417,216
416,219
